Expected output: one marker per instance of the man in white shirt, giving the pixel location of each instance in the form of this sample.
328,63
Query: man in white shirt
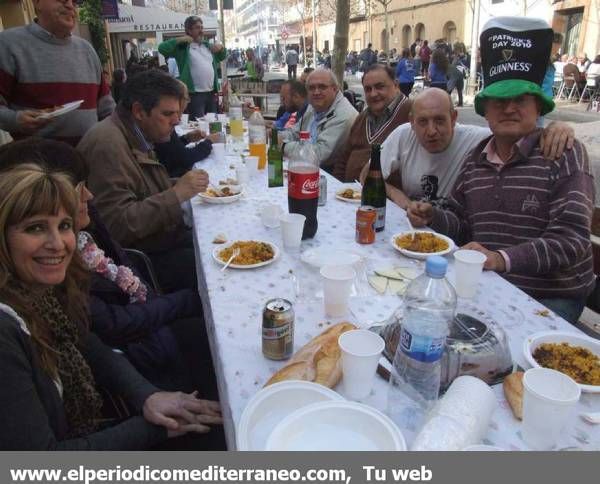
197,62
421,159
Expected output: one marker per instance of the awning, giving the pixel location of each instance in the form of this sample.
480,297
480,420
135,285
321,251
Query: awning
134,19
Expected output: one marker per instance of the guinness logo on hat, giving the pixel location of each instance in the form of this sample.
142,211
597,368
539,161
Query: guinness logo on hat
507,54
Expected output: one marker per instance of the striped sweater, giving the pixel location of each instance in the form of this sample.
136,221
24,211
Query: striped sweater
38,70
537,211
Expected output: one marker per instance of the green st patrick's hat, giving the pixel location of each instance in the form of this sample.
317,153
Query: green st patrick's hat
515,52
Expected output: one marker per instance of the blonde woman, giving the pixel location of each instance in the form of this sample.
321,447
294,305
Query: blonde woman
51,365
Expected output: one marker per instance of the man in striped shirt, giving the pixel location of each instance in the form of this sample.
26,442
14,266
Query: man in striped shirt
43,66
528,214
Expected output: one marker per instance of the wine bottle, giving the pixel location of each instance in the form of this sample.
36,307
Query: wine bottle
373,192
275,162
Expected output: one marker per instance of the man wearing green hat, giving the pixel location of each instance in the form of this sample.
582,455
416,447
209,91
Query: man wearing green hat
528,214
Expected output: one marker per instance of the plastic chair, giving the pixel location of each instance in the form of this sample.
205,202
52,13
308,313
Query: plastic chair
144,265
590,88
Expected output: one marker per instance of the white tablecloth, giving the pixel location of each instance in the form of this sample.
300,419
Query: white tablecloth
233,301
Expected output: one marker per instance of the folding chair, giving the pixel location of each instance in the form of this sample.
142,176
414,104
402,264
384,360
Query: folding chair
590,88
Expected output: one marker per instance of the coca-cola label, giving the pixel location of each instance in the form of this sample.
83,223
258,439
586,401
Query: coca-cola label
303,186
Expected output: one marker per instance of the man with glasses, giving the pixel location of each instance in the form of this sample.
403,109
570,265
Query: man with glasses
528,214
328,118
197,61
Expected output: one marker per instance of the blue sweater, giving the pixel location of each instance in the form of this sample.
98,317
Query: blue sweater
405,71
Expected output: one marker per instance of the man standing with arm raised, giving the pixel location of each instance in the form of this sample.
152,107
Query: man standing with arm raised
197,61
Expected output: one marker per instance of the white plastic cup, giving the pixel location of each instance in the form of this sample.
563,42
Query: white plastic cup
361,350
468,265
270,215
218,152
223,118
185,118
241,174
337,282
252,164
292,225
235,113
549,398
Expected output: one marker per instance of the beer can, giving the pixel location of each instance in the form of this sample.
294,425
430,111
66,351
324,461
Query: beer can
365,224
278,329
322,190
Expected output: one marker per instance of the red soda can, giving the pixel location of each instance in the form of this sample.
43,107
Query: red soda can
365,224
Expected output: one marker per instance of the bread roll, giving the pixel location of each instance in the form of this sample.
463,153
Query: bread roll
513,391
318,361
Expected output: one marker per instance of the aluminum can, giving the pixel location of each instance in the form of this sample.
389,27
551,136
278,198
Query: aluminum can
278,329
322,190
366,217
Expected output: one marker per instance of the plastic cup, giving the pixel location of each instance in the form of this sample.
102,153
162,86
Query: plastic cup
252,164
292,225
241,174
185,118
223,118
218,151
361,350
337,282
468,265
270,215
548,401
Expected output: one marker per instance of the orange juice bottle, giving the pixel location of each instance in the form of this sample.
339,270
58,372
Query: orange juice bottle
257,136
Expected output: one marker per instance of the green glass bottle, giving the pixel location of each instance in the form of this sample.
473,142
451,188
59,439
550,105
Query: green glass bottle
275,162
373,192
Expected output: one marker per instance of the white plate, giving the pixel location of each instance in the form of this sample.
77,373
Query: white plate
220,200
321,256
217,250
271,405
72,106
422,255
574,339
337,425
354,187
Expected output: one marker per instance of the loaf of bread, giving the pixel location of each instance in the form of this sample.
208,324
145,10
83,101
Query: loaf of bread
318,361
513,391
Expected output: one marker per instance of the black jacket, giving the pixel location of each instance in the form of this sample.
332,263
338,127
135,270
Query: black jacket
177,158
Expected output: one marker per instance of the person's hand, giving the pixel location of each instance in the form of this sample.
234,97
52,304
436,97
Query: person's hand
214,137
216,48
555,138
420,214
184,39
193,182
196,135
180,412
28,122
494,260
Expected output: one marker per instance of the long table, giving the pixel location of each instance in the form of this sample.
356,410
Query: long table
233,301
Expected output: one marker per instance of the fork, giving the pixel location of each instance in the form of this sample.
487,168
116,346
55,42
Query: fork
234,254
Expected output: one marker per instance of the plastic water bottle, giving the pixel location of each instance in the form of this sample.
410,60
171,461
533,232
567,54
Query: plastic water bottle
429,307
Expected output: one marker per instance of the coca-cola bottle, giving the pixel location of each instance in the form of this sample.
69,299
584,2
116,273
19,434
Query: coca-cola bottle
303,185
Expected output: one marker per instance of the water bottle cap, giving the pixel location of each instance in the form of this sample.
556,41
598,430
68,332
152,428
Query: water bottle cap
436,266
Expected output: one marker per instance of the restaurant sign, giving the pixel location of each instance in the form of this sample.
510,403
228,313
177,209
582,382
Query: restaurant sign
134,19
